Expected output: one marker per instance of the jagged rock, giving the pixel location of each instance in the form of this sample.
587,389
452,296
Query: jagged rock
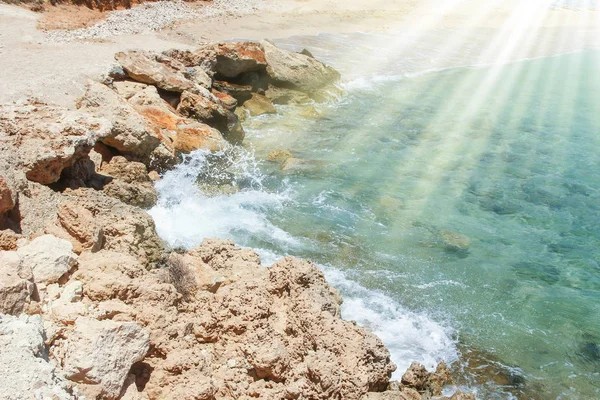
459,395
286,96
49,139
239,92
235,58
296,71
15,287
279,155
179,133
99,354
48,257
199,77
206,108
415,376
8,239
130,182
155,69
120,226
131,133
439,378
228,101
25,372
6,199
259,105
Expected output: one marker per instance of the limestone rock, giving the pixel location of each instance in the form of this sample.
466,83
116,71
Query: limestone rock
415,376
154,69
296,71
128,89
403,394
48,257
228,101
130,182
25,371
121,227
235,58
454,241
438,379
6,199
259,105
199,77
293,164
131,133
239,92
195,135
15,288
49,139
100,353
8,239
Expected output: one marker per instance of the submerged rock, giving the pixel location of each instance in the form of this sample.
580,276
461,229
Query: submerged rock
293,164
259,105
454,241
279,155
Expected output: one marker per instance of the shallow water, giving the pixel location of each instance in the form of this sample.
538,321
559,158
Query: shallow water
457,211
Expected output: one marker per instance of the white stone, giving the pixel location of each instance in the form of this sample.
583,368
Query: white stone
48,257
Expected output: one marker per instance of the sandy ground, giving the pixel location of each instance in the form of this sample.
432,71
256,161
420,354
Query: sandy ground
56,72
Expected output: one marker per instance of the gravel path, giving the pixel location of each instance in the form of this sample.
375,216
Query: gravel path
155,16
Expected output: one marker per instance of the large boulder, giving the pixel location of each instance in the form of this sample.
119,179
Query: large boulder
131,133
295,70
235,58
25,371
48,139
48,257
99,354
155,69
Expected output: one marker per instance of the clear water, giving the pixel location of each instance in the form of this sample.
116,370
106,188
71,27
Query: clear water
506,156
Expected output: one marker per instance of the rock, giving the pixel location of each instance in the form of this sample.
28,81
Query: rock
128,89
239,92
120,226
131,133
15,288
200,78
48,257
80,226
154,69
296,71
241,113
455,241
415,377
439,378
49,139
310,112
235,58
179,133
6,199
293,164
100,354
195,135
459,395
228,102
130,182
8,239
403,394
259,105
25,371
286,96
207,109
279,155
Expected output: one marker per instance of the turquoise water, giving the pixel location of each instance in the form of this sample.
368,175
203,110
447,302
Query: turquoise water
502,159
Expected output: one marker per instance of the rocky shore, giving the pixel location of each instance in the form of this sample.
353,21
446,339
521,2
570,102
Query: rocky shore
93,305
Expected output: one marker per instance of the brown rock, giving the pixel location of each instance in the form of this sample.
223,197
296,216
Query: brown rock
130,182
403,394
228,101
286,96
154,69
6,199
439,378
239,92
415,377
8,239
195,135
259,105
128,89
234,58
15,288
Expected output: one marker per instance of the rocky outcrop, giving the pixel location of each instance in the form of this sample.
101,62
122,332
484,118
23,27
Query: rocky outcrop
235,58
6,198
48,258
130,182
295,70
16,287
154,69
48,139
